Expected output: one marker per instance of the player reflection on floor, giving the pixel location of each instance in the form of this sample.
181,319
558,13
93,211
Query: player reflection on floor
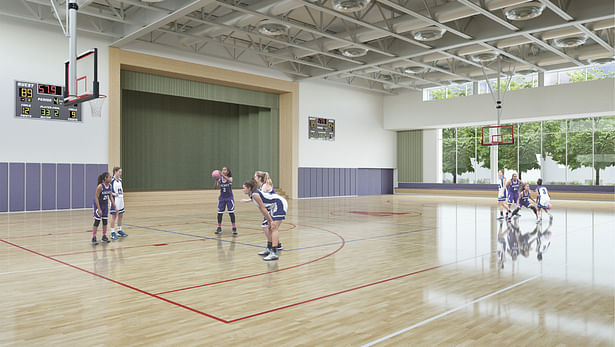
513,241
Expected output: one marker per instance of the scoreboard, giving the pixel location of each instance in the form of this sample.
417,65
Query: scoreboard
321,128
43,101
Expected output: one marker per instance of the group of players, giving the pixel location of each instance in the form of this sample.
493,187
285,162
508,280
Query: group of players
259,189
514,194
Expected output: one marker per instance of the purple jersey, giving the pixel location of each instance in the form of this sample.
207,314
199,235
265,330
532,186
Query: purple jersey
103,201
226,192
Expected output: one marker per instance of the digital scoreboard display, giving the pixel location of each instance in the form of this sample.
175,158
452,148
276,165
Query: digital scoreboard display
321,128
43,101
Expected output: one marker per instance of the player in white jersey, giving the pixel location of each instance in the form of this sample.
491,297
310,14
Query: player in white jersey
118,193
502,194
273,207
543,200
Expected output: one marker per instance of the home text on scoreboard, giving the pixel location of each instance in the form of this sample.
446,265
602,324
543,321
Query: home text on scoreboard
43,101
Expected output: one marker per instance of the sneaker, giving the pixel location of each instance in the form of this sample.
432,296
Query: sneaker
234,231
218,231
121,233
550,218
114,236
501,217
539,220
271,256
264,252
94,242
105,239
279,246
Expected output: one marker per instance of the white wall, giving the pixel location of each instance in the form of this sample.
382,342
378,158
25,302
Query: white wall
409,111
36,53
360,140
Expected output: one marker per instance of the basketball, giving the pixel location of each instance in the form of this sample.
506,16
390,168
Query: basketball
215,174
549,207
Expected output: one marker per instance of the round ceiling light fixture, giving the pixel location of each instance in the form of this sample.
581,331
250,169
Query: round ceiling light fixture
414,69
570,41
152,1
525,72
430,33
524,11
602,61
484,57
271,28
459,81
353,52
350,5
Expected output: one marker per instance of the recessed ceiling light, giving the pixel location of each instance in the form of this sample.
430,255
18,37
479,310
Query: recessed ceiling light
430,33
271,28
350,5
570,41
353,52
602,61
484,57
413,69
524,11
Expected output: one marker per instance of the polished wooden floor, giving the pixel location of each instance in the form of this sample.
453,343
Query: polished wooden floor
389,270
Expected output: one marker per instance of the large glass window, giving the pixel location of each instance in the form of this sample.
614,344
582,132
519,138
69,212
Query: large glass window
604,150
575,151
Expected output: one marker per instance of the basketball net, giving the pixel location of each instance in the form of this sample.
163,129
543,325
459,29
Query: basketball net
96,105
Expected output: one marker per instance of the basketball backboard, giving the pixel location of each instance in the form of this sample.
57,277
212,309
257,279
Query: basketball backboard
85,81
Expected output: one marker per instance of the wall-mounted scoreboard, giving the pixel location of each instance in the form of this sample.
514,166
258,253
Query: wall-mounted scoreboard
43,101
321,128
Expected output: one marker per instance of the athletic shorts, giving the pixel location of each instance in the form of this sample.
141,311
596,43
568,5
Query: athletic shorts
513,197
524,203
229,205
104,209
119,202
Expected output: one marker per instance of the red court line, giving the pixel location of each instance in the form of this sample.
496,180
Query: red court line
122,248
264,273
293,226
354,288
118,282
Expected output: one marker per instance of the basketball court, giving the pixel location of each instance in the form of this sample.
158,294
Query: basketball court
392,235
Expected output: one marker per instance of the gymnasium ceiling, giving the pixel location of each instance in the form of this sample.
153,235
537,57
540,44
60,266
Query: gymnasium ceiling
377,47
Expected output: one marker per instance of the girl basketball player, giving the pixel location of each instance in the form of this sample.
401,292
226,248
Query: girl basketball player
502,196
513,190
542,200
524,201
101,205
273,207
265,186
226,199
118,196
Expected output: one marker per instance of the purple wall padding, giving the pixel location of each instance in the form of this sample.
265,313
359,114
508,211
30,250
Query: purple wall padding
387,181
353,181
17,184
91,180
33,187
63,186
4,187
48,177
323,182
77,185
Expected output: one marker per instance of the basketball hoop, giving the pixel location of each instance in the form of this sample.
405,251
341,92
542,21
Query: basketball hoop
96,105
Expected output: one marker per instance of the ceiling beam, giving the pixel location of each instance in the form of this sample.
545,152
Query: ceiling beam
487,14
426,19
175,15
550,5
553,49
595,37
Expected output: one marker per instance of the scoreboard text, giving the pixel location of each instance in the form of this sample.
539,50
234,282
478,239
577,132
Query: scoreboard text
43,101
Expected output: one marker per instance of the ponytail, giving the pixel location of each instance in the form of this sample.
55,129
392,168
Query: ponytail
263,177
102,176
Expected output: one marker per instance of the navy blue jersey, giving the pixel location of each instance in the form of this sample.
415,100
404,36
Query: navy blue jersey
226,192
525,196
514,186
103,197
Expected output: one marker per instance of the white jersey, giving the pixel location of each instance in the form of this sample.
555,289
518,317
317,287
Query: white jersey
116,188
544,198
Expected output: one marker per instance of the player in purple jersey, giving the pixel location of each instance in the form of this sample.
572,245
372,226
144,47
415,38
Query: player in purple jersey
524,201
101,205
513,190
226,199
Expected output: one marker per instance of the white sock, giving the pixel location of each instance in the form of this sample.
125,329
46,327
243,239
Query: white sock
112,230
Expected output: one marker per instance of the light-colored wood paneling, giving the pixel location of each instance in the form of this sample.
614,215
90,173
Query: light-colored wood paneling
289,101
353,270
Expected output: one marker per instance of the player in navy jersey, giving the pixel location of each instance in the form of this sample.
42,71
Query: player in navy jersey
266,186
273,207
226,199
543,200
101,205
513,190
118,196
502,195
524,201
